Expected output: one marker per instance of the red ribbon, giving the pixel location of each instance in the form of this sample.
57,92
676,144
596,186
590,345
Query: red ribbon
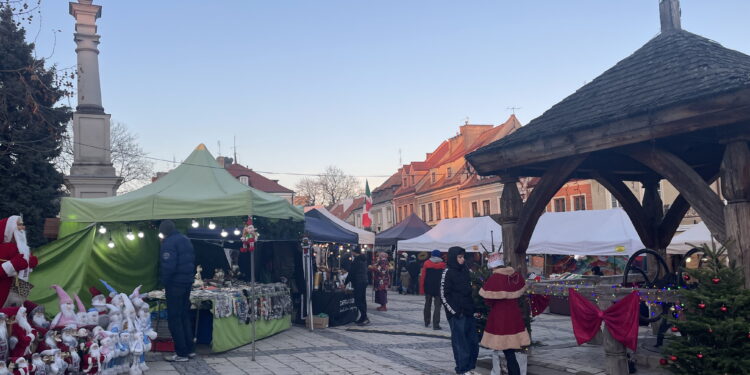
621,319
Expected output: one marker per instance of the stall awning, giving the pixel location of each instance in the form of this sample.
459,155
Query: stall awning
696,235
590,232
363,237
409,228
320,228
199,187
469,233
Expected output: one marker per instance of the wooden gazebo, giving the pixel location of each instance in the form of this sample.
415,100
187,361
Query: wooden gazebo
676,109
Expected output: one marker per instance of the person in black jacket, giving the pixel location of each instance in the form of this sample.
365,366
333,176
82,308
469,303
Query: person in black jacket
358,277
176,272
455,293
413,268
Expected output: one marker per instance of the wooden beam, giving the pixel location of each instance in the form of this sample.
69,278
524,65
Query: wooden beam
548,185
511,206
629,203
687,181
717,111
675,214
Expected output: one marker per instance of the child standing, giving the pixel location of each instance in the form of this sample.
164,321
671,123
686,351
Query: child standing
505,330
455,294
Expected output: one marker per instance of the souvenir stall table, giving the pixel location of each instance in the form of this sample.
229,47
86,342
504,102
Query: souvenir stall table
232,310
332,246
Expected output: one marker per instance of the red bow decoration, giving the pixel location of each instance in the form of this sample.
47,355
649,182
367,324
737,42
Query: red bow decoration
621,319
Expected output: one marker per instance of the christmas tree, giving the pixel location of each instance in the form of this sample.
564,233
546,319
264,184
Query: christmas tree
712,321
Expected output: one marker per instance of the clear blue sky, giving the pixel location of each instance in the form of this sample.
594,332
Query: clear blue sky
306,84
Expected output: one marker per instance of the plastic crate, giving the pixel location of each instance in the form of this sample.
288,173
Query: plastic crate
162,345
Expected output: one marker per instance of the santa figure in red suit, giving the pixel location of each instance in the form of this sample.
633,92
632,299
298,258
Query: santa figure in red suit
15,256
24,333
93,359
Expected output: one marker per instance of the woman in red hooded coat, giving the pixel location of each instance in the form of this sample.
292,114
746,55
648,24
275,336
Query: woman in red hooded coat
505,329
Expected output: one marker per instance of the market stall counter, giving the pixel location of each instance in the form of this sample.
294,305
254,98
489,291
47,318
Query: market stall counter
233,311
337,304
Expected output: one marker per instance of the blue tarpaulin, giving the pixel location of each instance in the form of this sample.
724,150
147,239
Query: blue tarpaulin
411,227
320,228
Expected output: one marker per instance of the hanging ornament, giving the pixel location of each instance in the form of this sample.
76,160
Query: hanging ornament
701,305
663,362
686,277
248,236
723,308
673,358
710,330
699,355
675,329
715,280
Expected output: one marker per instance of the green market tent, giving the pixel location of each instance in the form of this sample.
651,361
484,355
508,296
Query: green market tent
198,188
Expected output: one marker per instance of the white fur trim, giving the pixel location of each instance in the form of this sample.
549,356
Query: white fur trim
8,268
10,226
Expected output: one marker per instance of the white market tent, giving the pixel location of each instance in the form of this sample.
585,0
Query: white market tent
364,237
469,233
696,235
590,232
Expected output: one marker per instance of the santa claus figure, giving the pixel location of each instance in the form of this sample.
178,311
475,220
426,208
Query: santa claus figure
81,317
39,321
3,368
248,236
22,366
24,333
50,342
15,256
3,338
93,359
137,298
67,314
38,367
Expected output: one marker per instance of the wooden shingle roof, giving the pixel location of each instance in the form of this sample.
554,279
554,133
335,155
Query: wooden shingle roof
673,68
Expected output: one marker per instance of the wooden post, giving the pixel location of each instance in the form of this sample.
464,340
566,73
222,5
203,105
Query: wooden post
735,178
510,209
614,352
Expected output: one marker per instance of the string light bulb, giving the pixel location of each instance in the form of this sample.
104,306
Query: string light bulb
130,236
224,233
161,236
194,224
140,234
102,229
211,225
236,231
111,244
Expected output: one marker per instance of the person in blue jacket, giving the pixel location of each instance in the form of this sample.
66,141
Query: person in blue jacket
176,272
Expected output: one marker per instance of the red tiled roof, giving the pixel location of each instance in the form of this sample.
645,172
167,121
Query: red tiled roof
256,180
394,180
358,203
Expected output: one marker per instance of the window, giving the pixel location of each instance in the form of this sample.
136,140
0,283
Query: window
412,180
613,201
433,177
429,211
411,208
244,180
400,214
499,205
454,204
437,210
379,217
449,173
486,207
474,209
445,208
406,182
579,202
389,215
559,204
358,221
424,213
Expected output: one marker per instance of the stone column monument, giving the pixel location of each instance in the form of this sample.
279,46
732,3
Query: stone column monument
92,174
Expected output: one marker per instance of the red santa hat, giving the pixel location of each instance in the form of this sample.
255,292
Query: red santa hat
61,295
94,292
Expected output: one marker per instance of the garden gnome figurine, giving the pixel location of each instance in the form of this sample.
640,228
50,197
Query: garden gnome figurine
67,313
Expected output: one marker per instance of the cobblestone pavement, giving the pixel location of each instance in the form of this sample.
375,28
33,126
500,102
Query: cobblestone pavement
396,342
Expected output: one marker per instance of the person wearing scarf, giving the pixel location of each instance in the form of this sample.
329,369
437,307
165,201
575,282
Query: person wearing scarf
382,270
455,294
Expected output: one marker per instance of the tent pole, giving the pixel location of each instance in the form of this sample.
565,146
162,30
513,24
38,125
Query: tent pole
252,288
307,258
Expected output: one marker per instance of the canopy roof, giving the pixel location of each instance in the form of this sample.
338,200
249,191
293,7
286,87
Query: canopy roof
363,237
469,233
199,187
320,228
591,232
696,235
411,227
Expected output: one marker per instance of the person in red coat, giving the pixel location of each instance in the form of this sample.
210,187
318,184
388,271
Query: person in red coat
505,329
15,256
429,285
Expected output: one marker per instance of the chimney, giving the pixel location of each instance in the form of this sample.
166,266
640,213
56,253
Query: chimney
669,13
